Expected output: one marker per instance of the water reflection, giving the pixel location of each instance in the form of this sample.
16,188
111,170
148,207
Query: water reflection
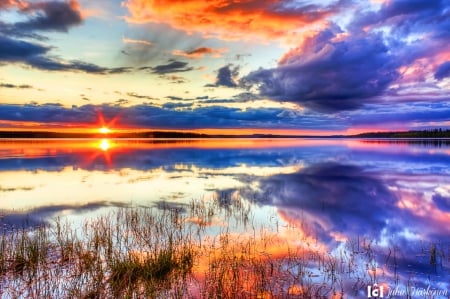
333,199
105,145
338,202
395,194
430,142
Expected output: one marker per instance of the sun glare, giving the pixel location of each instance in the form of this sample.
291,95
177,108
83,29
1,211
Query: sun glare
104,130
104,145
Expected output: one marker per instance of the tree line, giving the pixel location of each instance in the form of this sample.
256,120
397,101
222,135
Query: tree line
428,133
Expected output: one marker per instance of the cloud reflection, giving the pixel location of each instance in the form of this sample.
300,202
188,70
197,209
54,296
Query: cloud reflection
43,215
393,212
393,196
332,197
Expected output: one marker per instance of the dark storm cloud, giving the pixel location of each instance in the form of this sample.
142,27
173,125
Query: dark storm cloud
174,66
443,71
329,75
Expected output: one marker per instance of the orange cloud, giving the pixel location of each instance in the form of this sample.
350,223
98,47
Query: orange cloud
13,3
200,52
126,40
231,20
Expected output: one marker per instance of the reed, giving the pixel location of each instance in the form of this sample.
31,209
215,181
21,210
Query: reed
188,252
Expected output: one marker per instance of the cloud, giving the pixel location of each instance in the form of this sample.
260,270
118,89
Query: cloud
51,16
16,50
5,3
35,55
443,71
173,66
174,79
140,96
329,75
48,64
140,42
216,101
200,52
251,20
14,86
406,17
378,54
147,115
420,115
121,102
44,16
171,105
213,113
226,76
41,16
419,31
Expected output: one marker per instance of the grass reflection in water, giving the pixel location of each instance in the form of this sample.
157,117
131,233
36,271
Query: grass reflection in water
171,251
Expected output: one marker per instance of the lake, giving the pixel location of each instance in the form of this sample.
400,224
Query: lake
392,196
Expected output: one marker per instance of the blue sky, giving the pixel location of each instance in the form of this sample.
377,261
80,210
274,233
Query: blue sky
314,67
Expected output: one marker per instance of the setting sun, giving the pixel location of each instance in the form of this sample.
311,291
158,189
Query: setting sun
104,130
104,145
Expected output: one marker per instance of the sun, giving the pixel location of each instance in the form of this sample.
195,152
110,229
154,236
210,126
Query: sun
104,145
104,130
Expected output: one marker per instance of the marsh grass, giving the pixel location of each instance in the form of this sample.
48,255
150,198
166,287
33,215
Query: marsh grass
173,252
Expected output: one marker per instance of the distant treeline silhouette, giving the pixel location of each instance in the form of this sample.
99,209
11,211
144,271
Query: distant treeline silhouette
430,133
49,134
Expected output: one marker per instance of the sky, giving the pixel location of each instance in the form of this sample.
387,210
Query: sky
289,67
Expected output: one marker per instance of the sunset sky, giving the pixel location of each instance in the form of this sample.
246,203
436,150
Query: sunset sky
308,67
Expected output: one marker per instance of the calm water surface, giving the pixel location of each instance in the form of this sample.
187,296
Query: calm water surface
395,195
